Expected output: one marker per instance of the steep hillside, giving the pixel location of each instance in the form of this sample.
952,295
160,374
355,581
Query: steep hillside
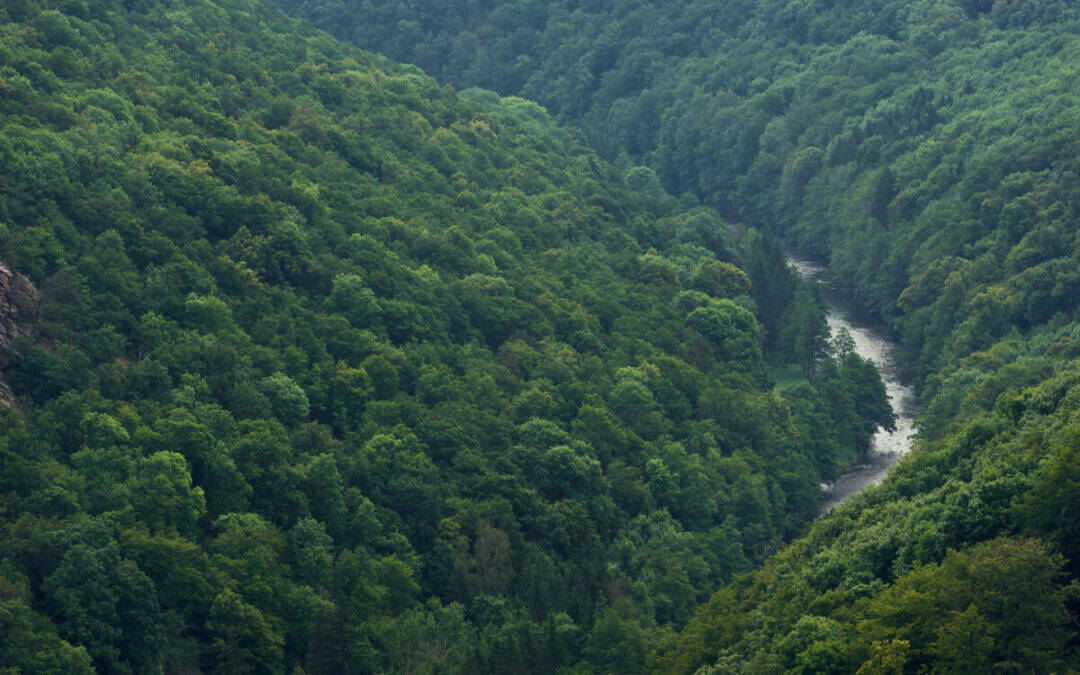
928,149
909,142
336,369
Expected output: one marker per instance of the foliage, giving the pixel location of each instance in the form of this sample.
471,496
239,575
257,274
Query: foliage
927,150
339,370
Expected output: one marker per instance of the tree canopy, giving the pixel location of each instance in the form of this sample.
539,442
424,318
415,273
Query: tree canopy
926,150
337,369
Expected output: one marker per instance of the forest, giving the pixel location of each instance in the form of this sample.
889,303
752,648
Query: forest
926,150
323,367
460,337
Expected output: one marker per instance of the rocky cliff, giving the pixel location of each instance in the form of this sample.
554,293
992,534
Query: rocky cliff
19,303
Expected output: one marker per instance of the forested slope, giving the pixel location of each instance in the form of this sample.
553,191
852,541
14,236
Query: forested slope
907,141
928,149
337,369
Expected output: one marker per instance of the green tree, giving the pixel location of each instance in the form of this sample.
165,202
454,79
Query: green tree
732,332
243,640
106,604
288,401
720,279
616,642
30,647
163,496
805,331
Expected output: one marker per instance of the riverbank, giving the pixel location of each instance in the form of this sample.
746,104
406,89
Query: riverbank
872,343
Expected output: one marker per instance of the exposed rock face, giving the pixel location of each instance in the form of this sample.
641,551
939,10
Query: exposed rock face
19,303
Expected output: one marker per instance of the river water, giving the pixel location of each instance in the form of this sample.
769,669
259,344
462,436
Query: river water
887,447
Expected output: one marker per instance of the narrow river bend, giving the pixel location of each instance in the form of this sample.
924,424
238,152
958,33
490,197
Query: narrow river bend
871,343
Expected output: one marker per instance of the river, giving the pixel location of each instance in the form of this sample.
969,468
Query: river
871,342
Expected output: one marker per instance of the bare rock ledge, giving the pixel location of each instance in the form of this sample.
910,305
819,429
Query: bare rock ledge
19,304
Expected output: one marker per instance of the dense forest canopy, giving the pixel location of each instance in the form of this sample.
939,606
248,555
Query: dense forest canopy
913,143
335,369
928,150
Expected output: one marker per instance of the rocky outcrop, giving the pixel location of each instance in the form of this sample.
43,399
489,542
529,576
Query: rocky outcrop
19,303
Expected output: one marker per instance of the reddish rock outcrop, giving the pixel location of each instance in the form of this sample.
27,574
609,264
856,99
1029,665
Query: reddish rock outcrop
19,303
